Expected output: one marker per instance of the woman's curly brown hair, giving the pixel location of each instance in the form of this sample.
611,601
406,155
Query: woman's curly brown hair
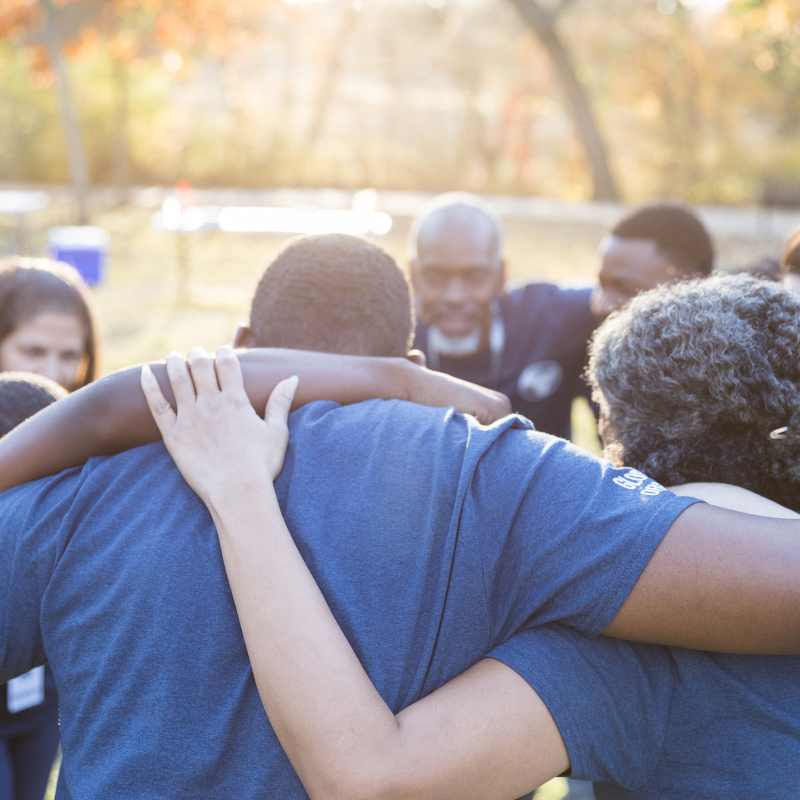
693,376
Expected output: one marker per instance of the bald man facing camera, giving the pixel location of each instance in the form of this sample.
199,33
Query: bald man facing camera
527,341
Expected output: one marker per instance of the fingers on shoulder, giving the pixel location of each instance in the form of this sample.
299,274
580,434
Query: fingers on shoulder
229,370
280,401
159,407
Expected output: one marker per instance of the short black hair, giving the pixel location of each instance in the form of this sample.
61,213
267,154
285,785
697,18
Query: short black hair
677,232
23,394
791,255
333,293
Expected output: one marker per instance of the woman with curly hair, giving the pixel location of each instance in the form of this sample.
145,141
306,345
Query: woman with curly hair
695,380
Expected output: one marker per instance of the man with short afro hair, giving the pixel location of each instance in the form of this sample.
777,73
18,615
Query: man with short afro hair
331,293
22,394
655,243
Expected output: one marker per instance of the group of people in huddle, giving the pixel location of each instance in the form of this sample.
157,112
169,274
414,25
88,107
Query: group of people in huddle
314,566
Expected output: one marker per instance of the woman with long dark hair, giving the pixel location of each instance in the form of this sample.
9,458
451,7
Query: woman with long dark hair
47,323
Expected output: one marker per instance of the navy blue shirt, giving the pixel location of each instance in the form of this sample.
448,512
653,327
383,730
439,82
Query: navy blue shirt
432,538
543,357
648,722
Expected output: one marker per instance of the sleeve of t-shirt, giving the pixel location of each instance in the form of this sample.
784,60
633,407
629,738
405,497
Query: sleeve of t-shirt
32,530
610,699
563,535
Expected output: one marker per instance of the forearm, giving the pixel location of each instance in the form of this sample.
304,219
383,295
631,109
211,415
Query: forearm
484,735
319,700
111,415
106,417
325,376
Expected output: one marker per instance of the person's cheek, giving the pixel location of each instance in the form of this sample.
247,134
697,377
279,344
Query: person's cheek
68,373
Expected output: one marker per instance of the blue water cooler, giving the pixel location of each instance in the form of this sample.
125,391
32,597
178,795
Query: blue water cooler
85,247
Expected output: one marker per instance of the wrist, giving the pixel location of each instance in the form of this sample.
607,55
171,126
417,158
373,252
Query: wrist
231,493
405,378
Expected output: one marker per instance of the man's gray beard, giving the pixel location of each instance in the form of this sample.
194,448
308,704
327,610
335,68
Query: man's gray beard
454,346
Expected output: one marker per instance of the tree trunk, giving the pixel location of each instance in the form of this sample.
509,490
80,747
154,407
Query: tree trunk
543,24
75,150
120,152
330,75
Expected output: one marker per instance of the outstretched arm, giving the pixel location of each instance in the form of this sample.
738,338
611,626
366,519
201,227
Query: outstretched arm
111,415
484,735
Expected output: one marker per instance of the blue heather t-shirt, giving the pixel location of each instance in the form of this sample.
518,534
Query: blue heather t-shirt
432,538
647,722
547,328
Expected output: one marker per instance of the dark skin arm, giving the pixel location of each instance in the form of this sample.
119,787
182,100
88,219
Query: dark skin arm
720,580
111,415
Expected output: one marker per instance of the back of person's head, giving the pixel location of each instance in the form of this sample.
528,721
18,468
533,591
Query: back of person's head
22,395
767,268
333,293
790,262
677,232
32,286
692,378
455,210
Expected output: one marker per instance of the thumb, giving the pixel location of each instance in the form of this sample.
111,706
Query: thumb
280,401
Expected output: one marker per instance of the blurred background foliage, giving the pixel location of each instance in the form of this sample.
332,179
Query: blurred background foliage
406,94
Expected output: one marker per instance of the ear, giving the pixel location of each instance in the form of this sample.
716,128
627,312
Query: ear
244,337
413,267
417,357
501,277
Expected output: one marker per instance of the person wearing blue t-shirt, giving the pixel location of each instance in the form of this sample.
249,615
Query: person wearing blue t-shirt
433,538
643,721
527,341
651,722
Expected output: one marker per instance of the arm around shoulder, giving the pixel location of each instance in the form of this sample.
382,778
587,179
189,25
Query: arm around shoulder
720,580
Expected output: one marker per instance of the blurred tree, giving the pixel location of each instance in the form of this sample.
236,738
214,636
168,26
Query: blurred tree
330,72
72,132
428,94
542,19
45,28
131,32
